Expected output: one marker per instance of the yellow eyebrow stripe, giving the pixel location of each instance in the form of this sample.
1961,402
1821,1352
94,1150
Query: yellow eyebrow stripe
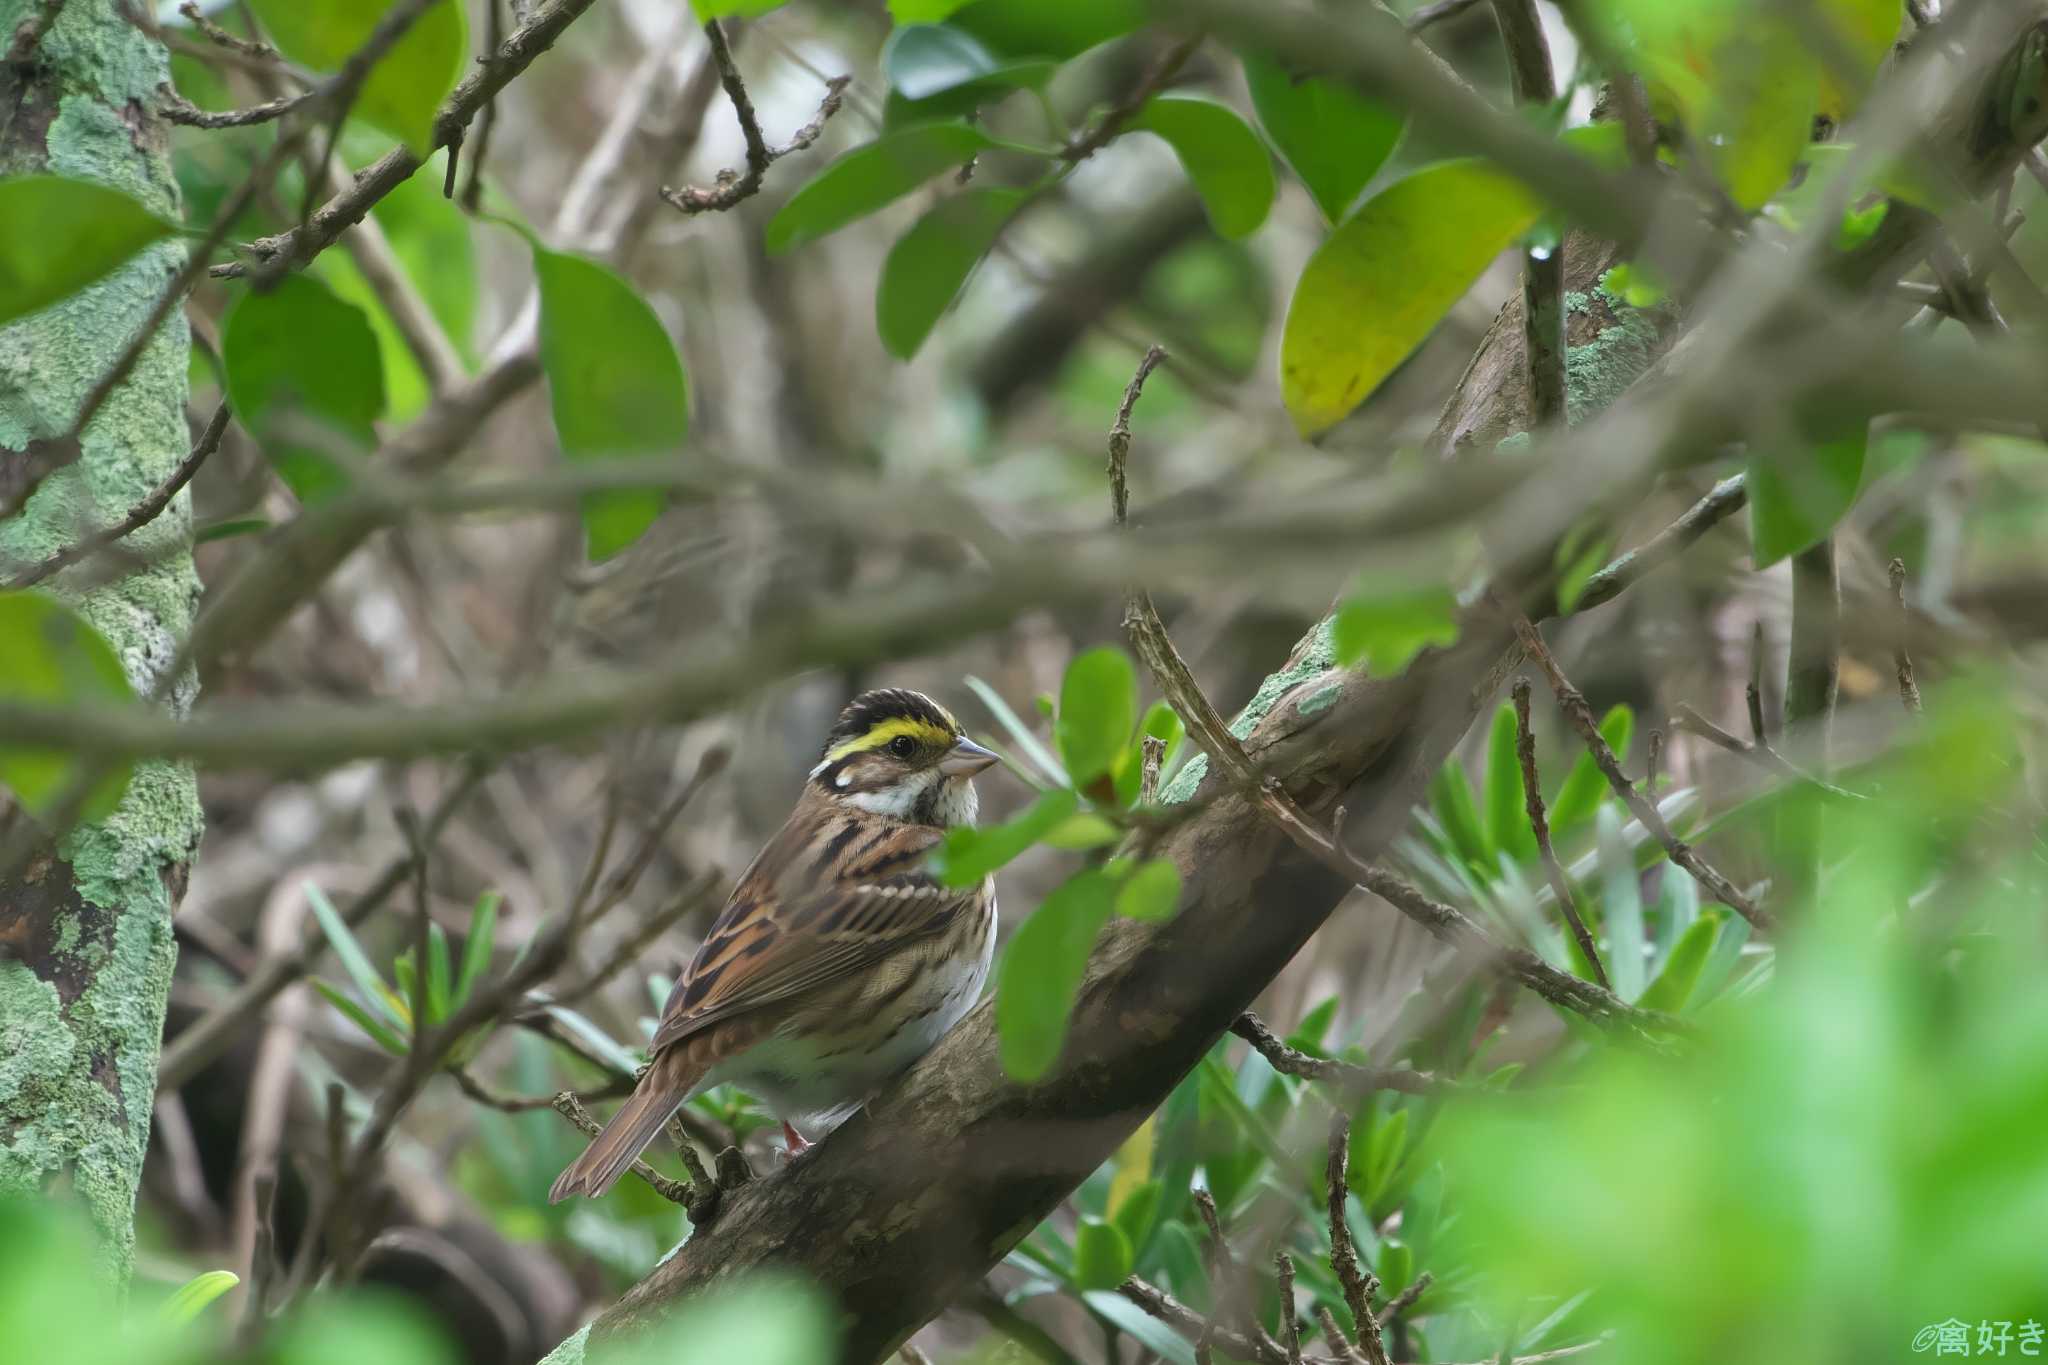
881,734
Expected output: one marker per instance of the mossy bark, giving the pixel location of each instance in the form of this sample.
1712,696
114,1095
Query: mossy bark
85,927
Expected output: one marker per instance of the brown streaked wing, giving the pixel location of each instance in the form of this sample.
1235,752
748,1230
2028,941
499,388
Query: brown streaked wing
792,927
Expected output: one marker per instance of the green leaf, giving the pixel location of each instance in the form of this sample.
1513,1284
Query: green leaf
600,1043
1151,892
1102,1255
929,264
1312,1034
870,177
49,653
228,529
1673,986
191,1297
305,376
1221,154
707,10
972,852
353,959
1450,796
58,236
615,385
922,11
1584,787
1621,907
1334,138
968,97
404,90
440,974
477,945
1396,1266
1019,733
1040,975
1385,628
1133,1212
1388,1143
1048,28
1098,710
922,60
1083,830
1795,498
1383,280
1507,814
1155,1336
382,1034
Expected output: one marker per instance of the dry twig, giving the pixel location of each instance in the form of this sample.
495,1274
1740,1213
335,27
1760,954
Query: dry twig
1350,1077
734,186
1358,1282
1532,801
1902,661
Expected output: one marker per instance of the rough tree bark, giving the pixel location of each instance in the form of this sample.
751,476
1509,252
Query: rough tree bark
85,927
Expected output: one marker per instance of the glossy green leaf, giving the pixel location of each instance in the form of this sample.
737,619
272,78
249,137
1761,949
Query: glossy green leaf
305,376
477,945
440,973
1507,813
1040,975
870,177
368,983
1759,116
1083,830
1048,28
228,529
1621,907
1102,1255
190,1298
1384,629
922,60
1796,497
1584,786
1674,984
404,90
1450,796
1149,1332
599,1043
1387,275
1312,1034
58,236
51,654
615,385
1334,138
973,852
384,1035
1396,1266
929,264
707,10
1098,710
1222,156
1150,892
1027,743
922,11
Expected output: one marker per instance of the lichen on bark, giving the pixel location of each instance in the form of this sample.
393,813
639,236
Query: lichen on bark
85,927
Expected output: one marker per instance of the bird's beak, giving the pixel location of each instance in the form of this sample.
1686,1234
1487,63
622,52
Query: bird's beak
966,758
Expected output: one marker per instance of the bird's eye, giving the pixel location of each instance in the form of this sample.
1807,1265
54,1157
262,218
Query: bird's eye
903,746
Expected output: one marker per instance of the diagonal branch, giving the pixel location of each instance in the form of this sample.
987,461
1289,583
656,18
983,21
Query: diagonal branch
736,186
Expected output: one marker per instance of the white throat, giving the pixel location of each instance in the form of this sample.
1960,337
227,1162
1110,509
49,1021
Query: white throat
955,804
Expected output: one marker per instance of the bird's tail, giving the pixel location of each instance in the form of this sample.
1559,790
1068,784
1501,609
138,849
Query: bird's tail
662,1089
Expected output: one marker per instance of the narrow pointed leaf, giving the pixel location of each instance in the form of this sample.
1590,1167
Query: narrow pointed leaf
1222,156
929,265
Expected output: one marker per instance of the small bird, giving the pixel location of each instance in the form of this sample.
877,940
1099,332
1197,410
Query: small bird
840,958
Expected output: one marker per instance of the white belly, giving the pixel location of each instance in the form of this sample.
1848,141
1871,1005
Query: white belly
817,1082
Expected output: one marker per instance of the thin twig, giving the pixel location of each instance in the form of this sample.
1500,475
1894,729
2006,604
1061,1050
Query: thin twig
137,517
1406,1299
1690,720
1290,1323
1753,693
1539,821
1120,435
1353,1079
1334,1334
734,186
1157,1303
473,188
1535,85
1576,711
220,37
1902,661
1099,134
181,111
1653,766
1358,1282
675,1191
195,1046
294,248
1722,501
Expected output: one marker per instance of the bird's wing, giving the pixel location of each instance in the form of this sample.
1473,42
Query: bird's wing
810,912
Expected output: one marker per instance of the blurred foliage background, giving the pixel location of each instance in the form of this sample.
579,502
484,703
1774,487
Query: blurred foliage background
1833,1148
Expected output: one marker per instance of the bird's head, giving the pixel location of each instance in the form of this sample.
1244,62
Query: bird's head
899,753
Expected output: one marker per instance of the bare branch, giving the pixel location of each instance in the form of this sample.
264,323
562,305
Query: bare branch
734,187
1580,715
1358,1282
1099,134
1532,801
1354,1080
1722,501
137,517
1902,661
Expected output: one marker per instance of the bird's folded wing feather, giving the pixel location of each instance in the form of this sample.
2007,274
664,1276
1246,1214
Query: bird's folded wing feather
793,926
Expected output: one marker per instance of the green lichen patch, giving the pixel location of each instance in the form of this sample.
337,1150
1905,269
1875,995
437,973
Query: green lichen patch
1313,656
1624,342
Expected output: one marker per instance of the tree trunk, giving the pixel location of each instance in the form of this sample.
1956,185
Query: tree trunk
85,926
